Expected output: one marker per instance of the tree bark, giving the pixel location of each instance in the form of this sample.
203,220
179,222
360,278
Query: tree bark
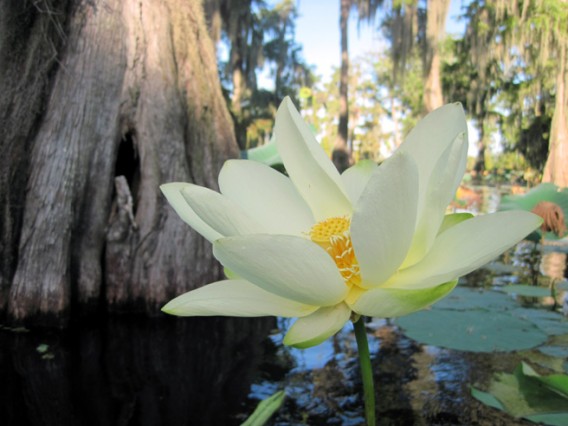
435,30
479,166
341,156
556,168
133,91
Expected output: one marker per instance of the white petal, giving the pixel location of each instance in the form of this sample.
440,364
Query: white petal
441,189
309,167
219,212
395,302
384,219
465,247
291,267
173,194
317,327
235,298
356,177
428,141
432,135
267,196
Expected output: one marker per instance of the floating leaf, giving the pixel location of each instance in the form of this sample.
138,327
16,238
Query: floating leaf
526,290
552,323
470,298
265,409
473,330
43,348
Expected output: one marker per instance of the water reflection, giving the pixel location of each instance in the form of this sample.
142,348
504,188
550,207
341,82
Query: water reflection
194,371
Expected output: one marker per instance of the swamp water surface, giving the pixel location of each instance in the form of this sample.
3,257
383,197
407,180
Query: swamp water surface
213,371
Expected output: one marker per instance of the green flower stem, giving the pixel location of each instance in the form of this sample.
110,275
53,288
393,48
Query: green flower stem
366,370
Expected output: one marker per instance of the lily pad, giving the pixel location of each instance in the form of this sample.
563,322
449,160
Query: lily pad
551,323
470,298
555,351
526,290
472,330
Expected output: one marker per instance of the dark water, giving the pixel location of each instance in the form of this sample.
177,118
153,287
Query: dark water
131,372
213,371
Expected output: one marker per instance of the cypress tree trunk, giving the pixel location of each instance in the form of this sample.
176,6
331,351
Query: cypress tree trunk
126,97
340,155
435,30
556,168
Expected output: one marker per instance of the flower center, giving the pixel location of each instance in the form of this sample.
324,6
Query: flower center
333,236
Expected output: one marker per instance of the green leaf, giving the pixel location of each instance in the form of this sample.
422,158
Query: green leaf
265,409
554,419
452,220
527,394
266,154
487,399
555,382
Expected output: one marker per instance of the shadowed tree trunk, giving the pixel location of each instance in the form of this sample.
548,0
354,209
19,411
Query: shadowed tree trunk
435,30
340,155
556,168
102,102
479,166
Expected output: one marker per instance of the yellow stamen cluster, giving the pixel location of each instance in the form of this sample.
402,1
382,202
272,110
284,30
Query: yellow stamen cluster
333,235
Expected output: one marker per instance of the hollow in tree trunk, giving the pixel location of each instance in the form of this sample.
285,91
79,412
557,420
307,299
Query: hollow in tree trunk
102,102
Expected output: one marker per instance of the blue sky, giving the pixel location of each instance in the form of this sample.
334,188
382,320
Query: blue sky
317,30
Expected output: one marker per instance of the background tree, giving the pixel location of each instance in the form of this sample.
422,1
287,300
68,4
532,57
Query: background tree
101,103
419,24
259,38
527,39
367,9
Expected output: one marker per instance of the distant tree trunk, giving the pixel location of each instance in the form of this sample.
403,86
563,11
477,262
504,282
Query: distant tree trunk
395,123
435,30
103,101
341,156
479,166
556,168
213,18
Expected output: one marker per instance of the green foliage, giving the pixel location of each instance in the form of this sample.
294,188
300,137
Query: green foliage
260,37
265,409
505,66
527,394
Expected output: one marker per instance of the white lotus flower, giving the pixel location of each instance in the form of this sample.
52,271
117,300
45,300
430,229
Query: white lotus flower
322,246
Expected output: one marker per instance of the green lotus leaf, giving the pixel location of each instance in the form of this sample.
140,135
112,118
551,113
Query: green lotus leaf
472,330
526,290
